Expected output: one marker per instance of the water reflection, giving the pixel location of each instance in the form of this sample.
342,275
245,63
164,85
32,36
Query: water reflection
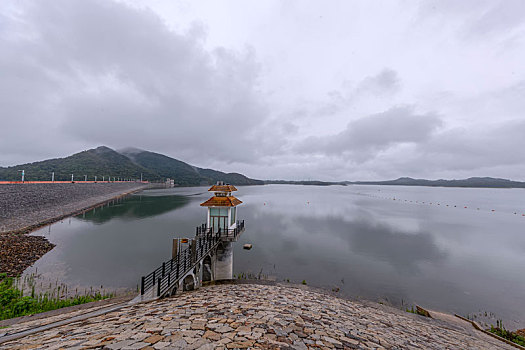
404,251
452,259
135,207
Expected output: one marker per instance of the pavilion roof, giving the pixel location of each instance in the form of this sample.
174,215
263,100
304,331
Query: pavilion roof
222,188
215,201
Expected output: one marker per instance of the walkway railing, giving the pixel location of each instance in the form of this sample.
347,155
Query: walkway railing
170,272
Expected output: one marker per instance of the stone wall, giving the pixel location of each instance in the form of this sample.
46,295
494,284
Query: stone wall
26,206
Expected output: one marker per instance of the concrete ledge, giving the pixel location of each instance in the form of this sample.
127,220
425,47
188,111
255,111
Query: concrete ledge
478,327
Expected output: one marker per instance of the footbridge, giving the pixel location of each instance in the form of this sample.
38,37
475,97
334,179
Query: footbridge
207,257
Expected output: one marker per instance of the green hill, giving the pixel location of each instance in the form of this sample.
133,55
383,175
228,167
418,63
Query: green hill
231,178
128,163
166,167
101,161
183,173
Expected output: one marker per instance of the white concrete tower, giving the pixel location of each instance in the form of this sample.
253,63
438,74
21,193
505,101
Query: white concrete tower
222,207
222,214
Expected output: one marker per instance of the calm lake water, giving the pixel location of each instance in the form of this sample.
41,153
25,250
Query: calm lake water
391,243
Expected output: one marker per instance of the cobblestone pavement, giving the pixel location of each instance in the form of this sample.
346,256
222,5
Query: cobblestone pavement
258,316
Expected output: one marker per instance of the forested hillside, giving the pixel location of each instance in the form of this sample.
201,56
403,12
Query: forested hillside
128,163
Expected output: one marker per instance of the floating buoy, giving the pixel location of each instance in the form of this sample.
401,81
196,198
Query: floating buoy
247,246
465,207
493,210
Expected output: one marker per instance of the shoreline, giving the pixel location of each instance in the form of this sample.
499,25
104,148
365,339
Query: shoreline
21,250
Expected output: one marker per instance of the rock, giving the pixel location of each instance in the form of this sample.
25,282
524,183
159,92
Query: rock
422,312
119,345
212,335
153,339
198,325
223,329
135,346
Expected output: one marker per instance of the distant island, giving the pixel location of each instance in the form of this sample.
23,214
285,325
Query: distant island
488,182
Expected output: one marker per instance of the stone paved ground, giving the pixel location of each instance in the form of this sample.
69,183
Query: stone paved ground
258,316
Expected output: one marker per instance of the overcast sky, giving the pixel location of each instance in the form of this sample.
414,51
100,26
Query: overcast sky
330,90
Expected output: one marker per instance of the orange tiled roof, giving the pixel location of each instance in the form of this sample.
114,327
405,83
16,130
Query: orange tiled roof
222,188
230,201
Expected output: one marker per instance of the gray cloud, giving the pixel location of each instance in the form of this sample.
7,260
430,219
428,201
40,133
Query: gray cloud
474,148
100,72
479,18
78,74
385,82
366,137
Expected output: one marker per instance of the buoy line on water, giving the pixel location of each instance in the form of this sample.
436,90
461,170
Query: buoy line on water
430,203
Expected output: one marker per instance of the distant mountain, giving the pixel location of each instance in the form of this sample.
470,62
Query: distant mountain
101,161
183,173
231,178
488,182
127,163
167,167
132,162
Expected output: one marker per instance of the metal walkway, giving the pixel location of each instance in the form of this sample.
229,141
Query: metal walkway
161,281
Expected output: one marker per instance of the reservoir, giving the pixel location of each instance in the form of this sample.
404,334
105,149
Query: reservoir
459,250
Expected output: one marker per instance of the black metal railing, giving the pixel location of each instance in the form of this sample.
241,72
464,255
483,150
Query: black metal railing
171,271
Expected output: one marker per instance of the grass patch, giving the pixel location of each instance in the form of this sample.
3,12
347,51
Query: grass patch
502,332
13,302
252,276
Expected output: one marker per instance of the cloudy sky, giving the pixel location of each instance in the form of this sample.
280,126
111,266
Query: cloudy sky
330,90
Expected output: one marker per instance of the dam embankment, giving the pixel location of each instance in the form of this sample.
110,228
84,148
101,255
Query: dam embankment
25,207
247,316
